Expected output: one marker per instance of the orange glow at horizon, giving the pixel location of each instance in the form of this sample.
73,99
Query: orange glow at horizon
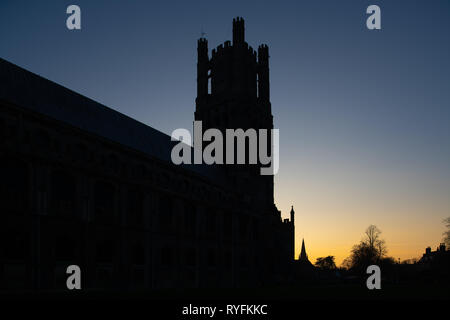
334,207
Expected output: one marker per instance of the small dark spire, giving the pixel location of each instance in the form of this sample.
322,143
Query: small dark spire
303,255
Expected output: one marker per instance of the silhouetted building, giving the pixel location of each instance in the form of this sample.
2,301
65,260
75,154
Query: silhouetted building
434,266
83,184
431,256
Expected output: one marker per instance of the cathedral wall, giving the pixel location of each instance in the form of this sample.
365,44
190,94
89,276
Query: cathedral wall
128,220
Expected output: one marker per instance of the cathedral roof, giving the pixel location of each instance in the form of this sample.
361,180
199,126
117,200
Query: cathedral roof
30,91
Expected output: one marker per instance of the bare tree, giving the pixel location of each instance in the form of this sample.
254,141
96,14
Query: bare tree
371,250
447,233
372,234
382,249
374,242
347,263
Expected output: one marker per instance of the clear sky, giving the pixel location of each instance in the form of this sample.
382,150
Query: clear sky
364,116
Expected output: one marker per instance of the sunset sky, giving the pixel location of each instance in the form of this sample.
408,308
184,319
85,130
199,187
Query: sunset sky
364,116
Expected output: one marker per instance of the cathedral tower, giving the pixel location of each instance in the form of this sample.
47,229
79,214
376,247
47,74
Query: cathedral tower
233,92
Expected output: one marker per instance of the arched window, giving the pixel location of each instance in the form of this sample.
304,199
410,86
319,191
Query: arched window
191,257
165,212
243,261
104,199
14,187
65,248
140,171
104,278
166,256
255,229
79,152
135,213
138,253
63,196
42,139
190,218
243,227
16,244
2,130
105,251
227,260
113,163
211,222
211,257
228,225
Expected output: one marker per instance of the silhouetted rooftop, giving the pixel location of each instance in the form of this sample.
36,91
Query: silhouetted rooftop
30,91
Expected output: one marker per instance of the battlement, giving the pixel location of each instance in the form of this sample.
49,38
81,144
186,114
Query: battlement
238,43
263,53
234,68
238,31
252,52
226,47
221,49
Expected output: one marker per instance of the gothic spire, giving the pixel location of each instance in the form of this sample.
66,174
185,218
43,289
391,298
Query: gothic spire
303,255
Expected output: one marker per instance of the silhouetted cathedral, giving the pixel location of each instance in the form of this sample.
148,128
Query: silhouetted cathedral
83,184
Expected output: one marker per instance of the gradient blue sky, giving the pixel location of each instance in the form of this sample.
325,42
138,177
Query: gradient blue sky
364,116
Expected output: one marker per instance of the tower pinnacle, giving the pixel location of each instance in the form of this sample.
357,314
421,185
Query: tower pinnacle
292,214
238,30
